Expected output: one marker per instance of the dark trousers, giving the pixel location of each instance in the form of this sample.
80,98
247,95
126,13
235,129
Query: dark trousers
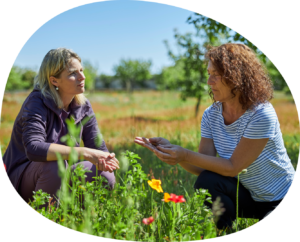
225,188
44,175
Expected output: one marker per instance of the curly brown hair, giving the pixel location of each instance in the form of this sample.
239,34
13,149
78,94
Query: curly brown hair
242,71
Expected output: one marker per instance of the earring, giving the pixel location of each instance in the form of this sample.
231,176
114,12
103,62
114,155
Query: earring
56,88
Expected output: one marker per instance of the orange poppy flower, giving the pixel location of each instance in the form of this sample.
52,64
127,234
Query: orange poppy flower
166,197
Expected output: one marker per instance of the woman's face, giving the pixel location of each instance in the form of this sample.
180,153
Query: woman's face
221,91
71,80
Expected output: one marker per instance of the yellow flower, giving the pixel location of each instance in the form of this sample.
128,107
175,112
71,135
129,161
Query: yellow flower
82,188
166,197
156,185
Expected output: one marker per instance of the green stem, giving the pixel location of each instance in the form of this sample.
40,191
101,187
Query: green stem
151,202
173,221
237,201
160,221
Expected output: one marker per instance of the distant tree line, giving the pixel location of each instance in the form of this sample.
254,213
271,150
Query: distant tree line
187,73
136,74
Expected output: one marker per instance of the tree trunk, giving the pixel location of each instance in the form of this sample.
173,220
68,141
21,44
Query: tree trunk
128,86
197,107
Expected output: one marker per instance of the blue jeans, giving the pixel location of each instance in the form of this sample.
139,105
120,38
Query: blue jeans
225,188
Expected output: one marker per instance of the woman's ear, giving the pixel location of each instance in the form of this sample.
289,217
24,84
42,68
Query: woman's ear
53,81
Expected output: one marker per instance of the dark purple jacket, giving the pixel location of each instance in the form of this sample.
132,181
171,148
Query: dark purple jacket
39,124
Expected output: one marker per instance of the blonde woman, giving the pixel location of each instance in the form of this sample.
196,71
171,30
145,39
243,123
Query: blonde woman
30,157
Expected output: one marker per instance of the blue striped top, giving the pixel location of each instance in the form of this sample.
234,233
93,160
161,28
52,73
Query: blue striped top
269,177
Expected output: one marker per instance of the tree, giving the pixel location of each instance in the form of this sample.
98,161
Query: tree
90,73
106,80
14,81
213,30
170,76
132,72
194,65
278,80
28,76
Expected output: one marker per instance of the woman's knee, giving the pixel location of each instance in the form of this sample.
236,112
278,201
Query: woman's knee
207,180
110,178
49,169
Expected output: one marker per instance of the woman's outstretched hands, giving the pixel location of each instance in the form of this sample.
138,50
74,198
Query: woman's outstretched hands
163,149
151,143
171,154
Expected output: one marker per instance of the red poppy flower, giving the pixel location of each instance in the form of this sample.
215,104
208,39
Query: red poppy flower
148,221
176,199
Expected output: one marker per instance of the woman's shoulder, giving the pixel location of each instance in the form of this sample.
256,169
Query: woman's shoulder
263,110
213,109
263,114
35,98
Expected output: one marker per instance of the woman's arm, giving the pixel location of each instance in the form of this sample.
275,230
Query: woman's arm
206,147
244,155
63,150
102,160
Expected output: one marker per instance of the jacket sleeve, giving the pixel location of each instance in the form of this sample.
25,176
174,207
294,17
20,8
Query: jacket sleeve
34,123
91,135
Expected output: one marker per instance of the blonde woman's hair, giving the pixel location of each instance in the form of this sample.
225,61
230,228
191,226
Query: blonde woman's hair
54,63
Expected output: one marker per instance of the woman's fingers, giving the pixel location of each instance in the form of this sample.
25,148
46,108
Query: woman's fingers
111,155
144,142
116,166
139,141
159,141
165,149
151,146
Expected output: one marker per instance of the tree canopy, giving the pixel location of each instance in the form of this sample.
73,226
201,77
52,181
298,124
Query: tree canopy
192,81
90,72
20,79
214,30
132,72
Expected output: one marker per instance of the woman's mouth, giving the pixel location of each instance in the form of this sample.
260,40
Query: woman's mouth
81,84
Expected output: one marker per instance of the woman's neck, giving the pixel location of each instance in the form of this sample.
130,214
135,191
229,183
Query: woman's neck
66,102
232,110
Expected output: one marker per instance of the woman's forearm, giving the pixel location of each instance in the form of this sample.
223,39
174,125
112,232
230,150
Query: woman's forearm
63,150
191,168
205,162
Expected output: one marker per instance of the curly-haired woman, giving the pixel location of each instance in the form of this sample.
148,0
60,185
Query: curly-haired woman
241,126
30,157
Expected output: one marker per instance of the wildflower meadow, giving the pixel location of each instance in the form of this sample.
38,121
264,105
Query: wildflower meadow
151,201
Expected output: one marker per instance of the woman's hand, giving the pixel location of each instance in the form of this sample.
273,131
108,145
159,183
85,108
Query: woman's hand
171,154
151,143
104,161
163,149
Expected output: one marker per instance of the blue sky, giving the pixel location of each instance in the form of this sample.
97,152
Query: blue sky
105,32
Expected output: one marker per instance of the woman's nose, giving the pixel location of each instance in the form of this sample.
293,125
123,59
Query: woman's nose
81,76
210,81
